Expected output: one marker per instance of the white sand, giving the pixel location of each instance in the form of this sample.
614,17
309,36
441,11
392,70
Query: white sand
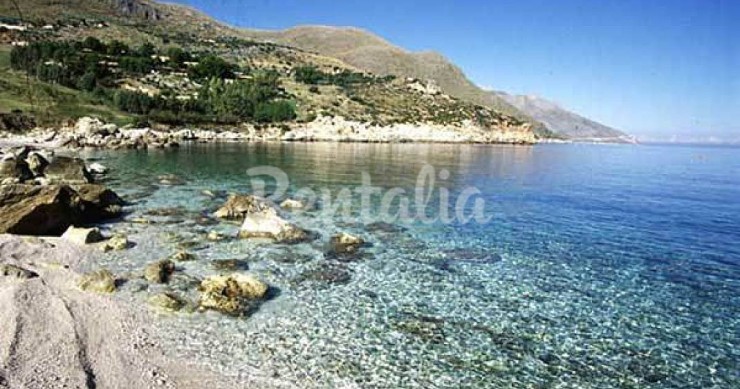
52,335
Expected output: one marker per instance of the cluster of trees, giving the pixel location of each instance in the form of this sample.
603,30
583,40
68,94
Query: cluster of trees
83,65
258,99
313,76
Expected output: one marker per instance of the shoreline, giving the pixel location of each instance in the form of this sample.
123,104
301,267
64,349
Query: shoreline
81,339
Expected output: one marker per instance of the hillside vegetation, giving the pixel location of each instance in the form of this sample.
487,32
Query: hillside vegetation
139,60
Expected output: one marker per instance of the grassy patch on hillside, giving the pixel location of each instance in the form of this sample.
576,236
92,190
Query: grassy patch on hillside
50,104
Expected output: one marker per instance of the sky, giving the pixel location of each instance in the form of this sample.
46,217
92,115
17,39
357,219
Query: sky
653,68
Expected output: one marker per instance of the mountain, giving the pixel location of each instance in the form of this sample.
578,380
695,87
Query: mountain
372,53
562,121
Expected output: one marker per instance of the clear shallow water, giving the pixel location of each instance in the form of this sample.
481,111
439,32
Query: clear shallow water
603,266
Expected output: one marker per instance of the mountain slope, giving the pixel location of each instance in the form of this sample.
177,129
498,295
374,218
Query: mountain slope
372,53
562,121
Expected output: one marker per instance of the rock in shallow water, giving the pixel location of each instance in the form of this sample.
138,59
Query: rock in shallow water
326,273
159,272
167,301
183,256
99,281
235,294
237,206
345,247
228,264
116,243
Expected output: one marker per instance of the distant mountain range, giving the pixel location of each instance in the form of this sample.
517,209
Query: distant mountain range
348,45
562,121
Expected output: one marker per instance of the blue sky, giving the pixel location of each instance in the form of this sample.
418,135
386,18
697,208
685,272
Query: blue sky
648,67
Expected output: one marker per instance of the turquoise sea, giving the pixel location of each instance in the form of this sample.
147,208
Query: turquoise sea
602,266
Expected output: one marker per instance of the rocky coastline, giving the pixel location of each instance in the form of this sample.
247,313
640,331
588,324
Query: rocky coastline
52,203
93,133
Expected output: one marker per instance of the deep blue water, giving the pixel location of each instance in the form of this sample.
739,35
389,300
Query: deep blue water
602,266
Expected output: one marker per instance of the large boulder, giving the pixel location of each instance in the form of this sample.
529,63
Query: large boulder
50,210
67,170
235,294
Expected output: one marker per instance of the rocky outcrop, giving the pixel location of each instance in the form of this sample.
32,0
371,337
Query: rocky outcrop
95,134
50,210
235,294
136,8
338,129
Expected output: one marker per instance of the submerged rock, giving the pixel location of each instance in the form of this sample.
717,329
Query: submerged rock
345,247
99,281
166,212
167,301
326,273
171,180
215,236
183,256
116,243
228,264
384,228
7,270
82,236
292,204
261,220
159,272
234,295
473,255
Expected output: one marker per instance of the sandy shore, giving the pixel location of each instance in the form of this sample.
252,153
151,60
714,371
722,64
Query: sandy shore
57,336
